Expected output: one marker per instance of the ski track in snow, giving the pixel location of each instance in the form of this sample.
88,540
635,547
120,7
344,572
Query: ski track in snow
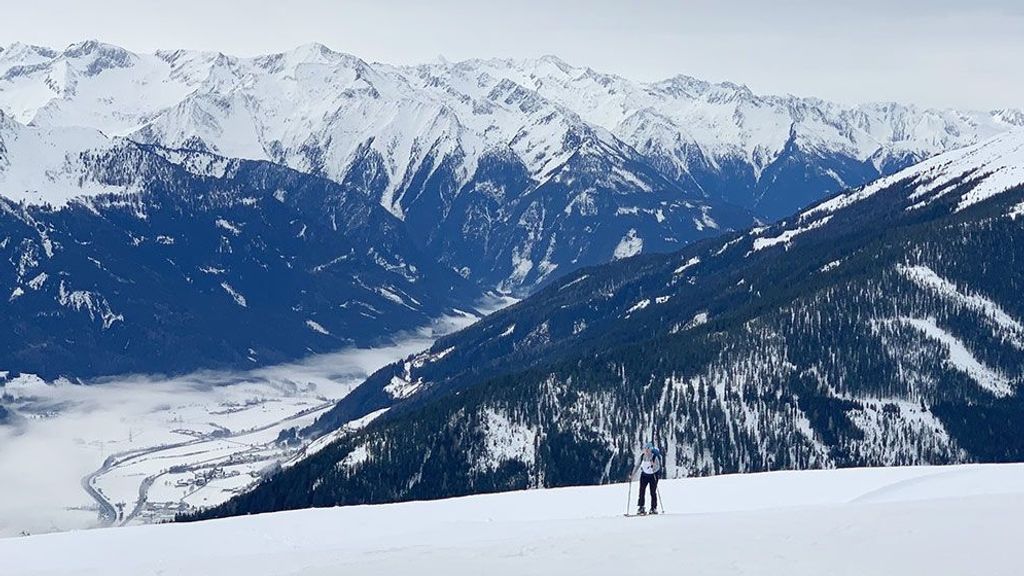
921,520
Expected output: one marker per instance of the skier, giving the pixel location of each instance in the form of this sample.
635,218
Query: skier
649,466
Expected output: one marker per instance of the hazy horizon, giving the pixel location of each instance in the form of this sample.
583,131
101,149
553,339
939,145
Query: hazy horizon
933,53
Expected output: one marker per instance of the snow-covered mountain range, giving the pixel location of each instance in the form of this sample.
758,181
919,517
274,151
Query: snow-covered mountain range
511,172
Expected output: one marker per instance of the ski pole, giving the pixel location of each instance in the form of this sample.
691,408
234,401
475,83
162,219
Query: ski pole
629,494
661,501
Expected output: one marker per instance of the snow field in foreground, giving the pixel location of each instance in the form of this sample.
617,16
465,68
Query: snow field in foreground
921,520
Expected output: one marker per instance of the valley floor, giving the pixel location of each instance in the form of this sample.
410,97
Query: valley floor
138,449
921,520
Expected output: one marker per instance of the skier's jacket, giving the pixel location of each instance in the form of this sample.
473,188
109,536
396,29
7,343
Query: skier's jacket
650,464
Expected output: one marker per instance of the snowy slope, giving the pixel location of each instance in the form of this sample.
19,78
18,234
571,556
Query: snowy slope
94,84
49,165
988,168
935,521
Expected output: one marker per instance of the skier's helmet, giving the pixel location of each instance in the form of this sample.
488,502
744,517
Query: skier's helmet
649,445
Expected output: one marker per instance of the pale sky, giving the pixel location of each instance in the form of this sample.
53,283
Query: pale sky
942,53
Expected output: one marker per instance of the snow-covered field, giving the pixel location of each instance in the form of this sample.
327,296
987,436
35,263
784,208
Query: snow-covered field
899,521
137,449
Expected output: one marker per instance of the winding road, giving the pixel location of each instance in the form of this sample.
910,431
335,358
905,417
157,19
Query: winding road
108,515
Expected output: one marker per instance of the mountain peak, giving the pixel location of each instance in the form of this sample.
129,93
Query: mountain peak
95,56
311,53
743,88
87,47
314,49
19,50
1012,116
315,52
681,83
552,59
20,56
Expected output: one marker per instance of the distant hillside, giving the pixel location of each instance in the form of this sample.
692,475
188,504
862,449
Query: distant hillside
880,327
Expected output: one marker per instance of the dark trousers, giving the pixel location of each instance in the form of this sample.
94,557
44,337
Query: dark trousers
652,481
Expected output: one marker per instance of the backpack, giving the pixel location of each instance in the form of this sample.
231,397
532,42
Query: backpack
658,461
